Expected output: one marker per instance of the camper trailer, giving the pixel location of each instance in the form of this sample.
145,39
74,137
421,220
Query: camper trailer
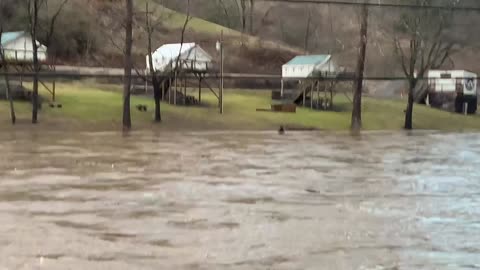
453,89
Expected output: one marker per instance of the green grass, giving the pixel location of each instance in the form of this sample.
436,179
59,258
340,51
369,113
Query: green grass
89,106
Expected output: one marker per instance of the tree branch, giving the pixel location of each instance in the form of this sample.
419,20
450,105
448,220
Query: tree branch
52,22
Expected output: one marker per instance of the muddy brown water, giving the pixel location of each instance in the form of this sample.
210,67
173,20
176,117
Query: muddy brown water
239,201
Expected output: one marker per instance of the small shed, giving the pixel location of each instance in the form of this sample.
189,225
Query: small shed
17,47
307,66
190,57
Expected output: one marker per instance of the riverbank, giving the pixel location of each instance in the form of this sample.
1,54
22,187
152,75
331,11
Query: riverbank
88,106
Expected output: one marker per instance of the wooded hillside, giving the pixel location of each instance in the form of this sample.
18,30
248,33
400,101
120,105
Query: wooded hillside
259,39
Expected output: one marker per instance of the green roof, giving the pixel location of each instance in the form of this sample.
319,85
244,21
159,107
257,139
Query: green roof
10,36
309,59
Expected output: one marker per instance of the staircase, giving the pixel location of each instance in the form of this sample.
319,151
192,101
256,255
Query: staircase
298,99
167,85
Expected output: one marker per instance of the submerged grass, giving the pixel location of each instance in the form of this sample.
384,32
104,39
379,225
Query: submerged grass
90,106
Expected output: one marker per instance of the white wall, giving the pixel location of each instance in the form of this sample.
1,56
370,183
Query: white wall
304,71
297,71
196,58
449,85
21,50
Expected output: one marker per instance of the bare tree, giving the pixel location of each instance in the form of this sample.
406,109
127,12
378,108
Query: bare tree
306,40
225,11
33,8
33,11
188,18
242,4
425,32
356,124
52,22
150,29
127,83
4,66
252,15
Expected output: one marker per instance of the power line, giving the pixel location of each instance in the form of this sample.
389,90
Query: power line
378,3
215,75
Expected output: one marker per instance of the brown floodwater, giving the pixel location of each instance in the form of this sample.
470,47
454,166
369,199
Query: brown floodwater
233,200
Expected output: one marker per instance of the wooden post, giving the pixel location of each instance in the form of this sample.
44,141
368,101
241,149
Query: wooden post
162,95
54,83
170,82
311,94
185,90
331,95
21,76
53,91
200,90
175,91
146,82
318,95
325,96
281,89
221,72
304,97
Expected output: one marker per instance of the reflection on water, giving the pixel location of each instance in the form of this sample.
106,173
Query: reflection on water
239,201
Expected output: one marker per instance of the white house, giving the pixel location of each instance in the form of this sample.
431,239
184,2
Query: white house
457,87
451,81
18,47
192,57
305,66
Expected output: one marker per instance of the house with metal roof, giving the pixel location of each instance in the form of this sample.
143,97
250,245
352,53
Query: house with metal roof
18,48
307,66
190,57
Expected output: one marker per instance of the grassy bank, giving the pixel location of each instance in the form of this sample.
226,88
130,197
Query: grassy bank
97,107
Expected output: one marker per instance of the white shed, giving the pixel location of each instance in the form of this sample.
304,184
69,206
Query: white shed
192,57
305,66
451,81
17,47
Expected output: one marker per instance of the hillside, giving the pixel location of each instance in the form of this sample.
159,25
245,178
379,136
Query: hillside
334,29
89,32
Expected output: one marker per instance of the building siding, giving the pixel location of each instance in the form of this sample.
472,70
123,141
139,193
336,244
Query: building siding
195,58
21,50
305,71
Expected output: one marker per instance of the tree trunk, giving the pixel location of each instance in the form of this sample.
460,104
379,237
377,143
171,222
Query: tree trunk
127,122
252,11
9,95
243,15
157,96
7,82
156,85
307,31
358,85
36,65
409,111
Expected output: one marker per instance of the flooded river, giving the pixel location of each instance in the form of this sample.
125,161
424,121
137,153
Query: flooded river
239,201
